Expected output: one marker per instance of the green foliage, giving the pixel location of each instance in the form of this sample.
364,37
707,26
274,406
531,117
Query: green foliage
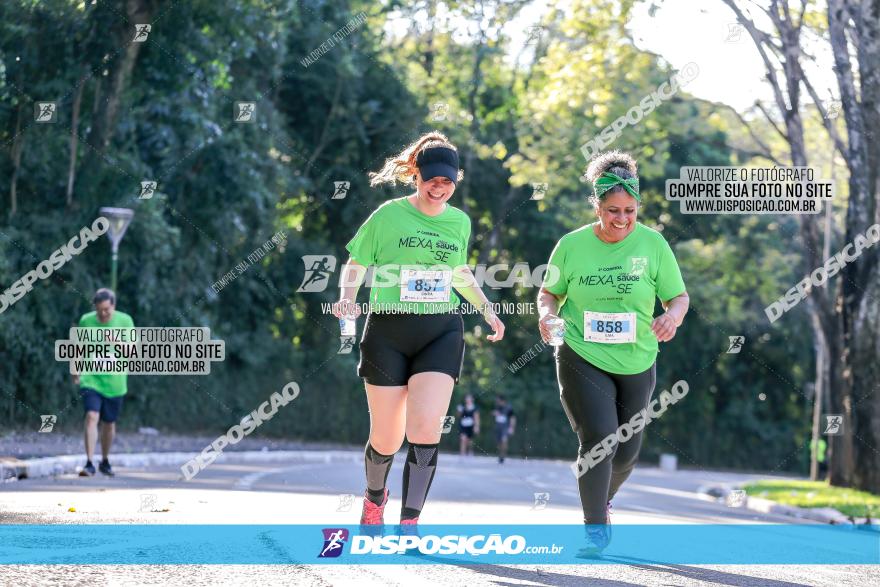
225,188
816,494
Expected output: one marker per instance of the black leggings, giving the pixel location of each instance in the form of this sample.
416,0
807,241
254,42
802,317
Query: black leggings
596,403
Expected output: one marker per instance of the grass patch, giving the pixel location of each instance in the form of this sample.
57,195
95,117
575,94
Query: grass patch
817,494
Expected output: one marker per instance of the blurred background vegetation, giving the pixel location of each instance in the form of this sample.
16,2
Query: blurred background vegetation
163,110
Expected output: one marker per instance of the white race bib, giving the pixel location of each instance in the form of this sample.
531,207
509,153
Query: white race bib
610,328
424,286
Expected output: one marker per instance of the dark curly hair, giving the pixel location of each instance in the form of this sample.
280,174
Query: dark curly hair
618,163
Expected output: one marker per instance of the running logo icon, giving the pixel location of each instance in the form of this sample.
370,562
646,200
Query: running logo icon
148,503
345,502
736,343
45,112
734,32
446,424
245,111
48,423
533,35
318,270
736,498
340,190
147,190
334,540
832,109
141,32
539,190
833,424
541,500
441,109
639,265
346,344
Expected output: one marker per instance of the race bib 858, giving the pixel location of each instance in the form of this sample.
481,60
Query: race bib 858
610,328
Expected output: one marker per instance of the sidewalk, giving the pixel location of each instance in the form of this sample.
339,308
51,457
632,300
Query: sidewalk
31,454
731,493
28,445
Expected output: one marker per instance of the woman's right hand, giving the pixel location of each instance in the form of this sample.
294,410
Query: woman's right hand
346,309
542,326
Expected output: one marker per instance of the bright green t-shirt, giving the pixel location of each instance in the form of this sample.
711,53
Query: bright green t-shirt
107,384
622,278
399,239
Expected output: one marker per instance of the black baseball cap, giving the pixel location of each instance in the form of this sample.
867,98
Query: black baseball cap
438,162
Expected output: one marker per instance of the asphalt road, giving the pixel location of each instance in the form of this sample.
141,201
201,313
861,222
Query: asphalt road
469,490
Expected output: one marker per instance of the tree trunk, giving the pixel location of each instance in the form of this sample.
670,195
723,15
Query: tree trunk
74,140
16,164
138,12
476,82
861,279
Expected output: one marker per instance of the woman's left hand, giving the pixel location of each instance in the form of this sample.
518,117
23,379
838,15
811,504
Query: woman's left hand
497,326
664,327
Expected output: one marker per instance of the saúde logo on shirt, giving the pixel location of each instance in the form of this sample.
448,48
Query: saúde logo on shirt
638,265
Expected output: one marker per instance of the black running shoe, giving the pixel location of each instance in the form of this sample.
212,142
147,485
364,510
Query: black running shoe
88,470
105,468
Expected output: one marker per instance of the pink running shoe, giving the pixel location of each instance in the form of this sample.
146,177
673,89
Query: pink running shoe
373,514
410,527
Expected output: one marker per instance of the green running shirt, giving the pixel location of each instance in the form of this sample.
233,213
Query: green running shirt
107,384
397,237
622,277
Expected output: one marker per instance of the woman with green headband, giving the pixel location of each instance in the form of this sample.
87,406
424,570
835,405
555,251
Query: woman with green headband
609,274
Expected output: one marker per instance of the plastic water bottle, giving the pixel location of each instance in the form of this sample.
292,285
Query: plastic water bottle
556,326
348,326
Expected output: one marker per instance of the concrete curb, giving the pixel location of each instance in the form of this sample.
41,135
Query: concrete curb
824,515
12,468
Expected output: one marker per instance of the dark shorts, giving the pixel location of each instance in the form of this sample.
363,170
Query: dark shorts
108,407
395,347
501,432
467,431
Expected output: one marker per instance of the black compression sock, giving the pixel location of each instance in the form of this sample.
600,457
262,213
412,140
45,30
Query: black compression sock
377,467
418,473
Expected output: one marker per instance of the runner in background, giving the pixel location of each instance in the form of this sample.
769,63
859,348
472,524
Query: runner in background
468,425
102,393
505,425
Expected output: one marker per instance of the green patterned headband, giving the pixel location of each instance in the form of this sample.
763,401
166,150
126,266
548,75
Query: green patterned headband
608,180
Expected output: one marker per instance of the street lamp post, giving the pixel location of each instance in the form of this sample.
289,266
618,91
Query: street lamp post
119,219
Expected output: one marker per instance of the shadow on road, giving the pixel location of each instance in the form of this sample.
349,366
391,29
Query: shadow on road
541,576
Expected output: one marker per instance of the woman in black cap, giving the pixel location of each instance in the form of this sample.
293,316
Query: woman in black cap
412,347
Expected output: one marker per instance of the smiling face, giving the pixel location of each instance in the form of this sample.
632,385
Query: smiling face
104,311
617,216
435,191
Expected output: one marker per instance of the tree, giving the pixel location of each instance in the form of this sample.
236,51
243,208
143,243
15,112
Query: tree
845,325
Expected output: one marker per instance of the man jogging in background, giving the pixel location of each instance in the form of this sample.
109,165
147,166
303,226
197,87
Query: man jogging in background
468,425
102,393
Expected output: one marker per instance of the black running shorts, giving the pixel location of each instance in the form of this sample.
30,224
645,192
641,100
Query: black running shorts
108,408
394,347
